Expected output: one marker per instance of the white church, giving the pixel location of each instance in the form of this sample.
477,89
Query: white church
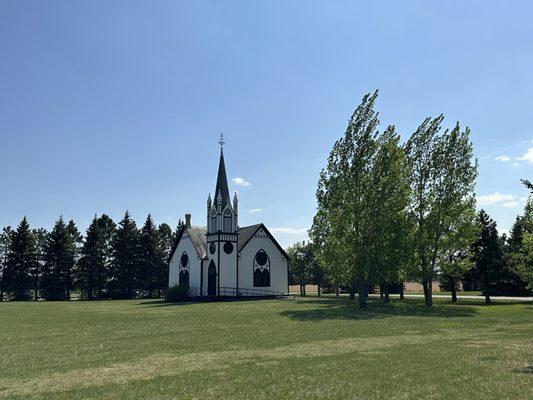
224,259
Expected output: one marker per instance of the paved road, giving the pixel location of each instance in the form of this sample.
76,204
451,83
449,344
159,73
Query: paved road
467,296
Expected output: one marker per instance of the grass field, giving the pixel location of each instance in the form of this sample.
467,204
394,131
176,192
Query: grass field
294,349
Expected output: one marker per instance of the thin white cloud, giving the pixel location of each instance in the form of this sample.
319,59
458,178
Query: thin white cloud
494,198
290,231
503,158
528,156
516,164
254,210
240,181
510,204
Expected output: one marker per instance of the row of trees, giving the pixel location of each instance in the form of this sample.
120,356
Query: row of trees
388,211
110,261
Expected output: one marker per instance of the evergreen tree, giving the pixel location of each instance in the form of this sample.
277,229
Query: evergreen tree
167,238
519,250
5,237
40,236
487,254
21,260
91,274
59,262
150,258
124,266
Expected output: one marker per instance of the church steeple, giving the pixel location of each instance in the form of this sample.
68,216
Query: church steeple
222,189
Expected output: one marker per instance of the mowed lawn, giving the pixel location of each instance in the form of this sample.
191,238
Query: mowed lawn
272,349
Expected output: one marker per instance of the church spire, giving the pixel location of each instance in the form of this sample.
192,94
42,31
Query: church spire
222,189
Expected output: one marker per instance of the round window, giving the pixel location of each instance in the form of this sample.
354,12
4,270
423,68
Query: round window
212,248
261,258
184,260
228,247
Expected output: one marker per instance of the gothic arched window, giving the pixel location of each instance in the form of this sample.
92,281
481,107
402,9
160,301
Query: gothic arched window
261,269
213,221
227,221
184,269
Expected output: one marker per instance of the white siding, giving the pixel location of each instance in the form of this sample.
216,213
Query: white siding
278,263
186,245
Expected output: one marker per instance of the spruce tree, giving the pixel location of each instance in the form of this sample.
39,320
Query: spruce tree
59,262
21,260
487,254
150,258
124,265
91,272
4,247
40,235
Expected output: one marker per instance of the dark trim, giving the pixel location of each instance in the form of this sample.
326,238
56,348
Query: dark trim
201,277
218,266
237,268
271,238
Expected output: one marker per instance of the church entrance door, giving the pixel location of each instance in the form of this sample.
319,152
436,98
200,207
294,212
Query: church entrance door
212,279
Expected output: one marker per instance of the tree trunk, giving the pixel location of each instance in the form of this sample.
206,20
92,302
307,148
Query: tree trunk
337,290
318,287
387,298
352,292
401,291
363,293
428,296
486,292
454,291
35,295
381,291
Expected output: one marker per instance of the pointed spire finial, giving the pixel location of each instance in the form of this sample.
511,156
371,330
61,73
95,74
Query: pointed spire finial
221,140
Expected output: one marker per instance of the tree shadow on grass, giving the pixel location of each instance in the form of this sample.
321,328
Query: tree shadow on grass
346,309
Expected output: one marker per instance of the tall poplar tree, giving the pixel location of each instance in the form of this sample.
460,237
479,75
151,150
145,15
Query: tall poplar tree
339,228
443,173
21,260
123,271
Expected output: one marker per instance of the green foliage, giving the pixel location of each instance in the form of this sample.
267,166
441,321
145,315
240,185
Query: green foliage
152,262
59,260
177,293
5,237
21,260
361,228
487,253
123,271
304,267
443,173
92,267
520,246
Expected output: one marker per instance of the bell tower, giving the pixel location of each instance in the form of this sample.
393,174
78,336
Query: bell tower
222,234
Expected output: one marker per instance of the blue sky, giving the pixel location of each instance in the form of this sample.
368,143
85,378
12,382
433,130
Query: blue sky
114,105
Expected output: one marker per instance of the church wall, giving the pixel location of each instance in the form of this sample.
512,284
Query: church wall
278,264
186,245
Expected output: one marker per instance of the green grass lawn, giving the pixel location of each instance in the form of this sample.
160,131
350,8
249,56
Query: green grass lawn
295,349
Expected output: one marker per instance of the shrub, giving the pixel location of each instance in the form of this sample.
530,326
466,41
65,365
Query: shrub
177,293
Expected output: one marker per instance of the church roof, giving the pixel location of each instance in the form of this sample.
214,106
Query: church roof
222,183
197,234
247,232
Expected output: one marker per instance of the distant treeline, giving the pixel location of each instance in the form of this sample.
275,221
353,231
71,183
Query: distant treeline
110,261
